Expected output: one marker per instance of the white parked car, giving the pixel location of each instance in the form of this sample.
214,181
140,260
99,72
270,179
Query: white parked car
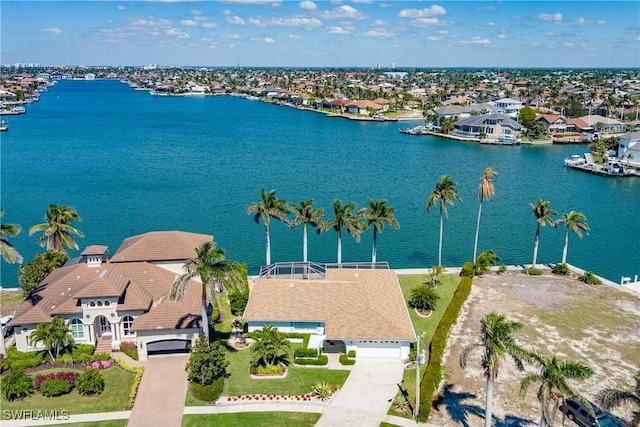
6,330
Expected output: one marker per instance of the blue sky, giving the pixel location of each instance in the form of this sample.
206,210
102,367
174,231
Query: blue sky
340,33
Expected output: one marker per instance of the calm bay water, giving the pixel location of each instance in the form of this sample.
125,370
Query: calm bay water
130,163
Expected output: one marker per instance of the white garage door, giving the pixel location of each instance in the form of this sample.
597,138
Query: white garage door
379,349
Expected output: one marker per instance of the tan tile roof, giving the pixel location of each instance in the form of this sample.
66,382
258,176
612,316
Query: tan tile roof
174,315
110,283
160,246
95,250
354,304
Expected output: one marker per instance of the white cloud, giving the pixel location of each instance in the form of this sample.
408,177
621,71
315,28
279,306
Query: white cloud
342,12
196,13
235,20
230,36
189,22
120,7
567,44
486,9
582,21
534,44
491,24
377,34
362,1
177,33
601,22
296,21
476,41
434,38
379,23
308,5
200,18
149,21
294,37
258,2
429,22
258,22
51,30
337,30
263,40
443,32
555,17
434,10
502,35
227,12
208,25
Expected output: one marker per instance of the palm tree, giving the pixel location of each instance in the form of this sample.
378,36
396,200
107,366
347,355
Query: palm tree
543,213
485,191
305,214
214,270
576,222
269,207
496,342
445,192
377,215
270,348
9,253
553,376
611,397
54,335
57,231
344,217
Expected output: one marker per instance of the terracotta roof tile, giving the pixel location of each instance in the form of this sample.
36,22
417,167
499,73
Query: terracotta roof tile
364,304
95,250
160,246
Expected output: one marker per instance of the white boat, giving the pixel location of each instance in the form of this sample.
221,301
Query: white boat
507,140
13,111
575,160
4,125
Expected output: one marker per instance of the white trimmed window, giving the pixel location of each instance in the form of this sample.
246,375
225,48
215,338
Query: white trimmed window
77,329
127,321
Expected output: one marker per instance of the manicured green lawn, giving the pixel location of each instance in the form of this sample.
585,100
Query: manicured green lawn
117,384
253,419
112,423
426,325
383,424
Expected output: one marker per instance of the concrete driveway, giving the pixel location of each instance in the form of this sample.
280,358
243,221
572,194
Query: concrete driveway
366,395
160,400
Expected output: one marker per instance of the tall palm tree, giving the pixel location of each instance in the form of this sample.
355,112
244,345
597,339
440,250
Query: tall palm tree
543,214
305,214
57,231
445,192
343,218
214,270
269,207
553,376
496,342
576,222
377,215
485,192
9,253
611,397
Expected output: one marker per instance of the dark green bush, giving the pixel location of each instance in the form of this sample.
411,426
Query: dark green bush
267,370
305,352
530,271
412,352
90,382
215,315
468,270
54,388
17,385
351,354
484,262
238,302
82,353
344,360
590,278
423,298
560,269
99,357
23,360
207,362
208,393
321,360
130,349
502,269
433,374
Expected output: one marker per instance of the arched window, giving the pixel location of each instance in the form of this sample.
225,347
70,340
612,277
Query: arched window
99,303
92,303
127,321
107,303
77,329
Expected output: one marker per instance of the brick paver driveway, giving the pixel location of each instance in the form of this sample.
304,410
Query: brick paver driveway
160,400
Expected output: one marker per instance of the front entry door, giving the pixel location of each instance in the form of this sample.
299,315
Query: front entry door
105,327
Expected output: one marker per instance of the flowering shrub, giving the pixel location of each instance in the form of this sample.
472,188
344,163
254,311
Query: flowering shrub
138,370
259,398
130,349
104,364
69,377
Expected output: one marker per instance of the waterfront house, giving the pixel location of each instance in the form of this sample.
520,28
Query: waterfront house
629,148
463,111
106,301
555,122
509,106
490,126
604,124
363,107
342,308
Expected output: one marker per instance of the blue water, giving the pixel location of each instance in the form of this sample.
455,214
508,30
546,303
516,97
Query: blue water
130,162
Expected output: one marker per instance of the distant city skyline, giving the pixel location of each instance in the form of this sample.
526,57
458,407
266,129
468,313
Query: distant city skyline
356,33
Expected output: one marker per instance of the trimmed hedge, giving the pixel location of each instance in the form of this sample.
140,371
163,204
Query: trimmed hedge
432,376
23,360
560,269
138,371
532,271
208,393
319,361
344,360
69,377
54,387
305,352
351,354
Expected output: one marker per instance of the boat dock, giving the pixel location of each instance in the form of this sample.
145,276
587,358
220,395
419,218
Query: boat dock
586,163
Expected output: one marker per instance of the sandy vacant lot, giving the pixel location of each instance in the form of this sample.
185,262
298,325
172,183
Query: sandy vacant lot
597,325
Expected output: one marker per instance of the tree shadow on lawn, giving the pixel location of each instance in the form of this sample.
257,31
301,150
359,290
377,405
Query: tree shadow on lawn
459,411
